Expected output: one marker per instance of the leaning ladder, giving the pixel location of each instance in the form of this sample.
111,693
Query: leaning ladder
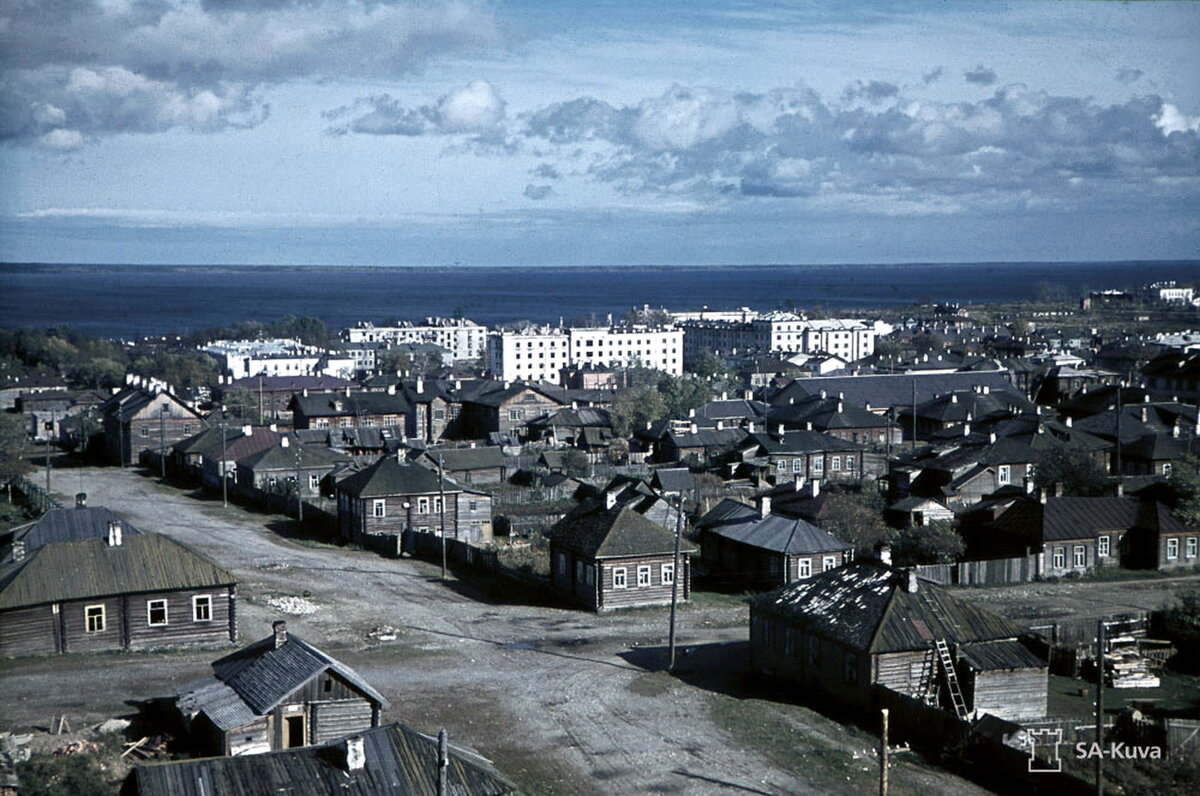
925,690
960,704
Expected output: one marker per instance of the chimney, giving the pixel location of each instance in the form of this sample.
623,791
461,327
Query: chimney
991,437
347,391
420,384
987,390
284,442
1042,496
1068,421
953,399
273,427
693,428
356,755
721,426
305,392
280,628
797,482
884,553
966,429
1143,414
779,429
823,395
81,500
506,384
1120,489
391,389
1058,489
764,506
692,412
247,430
610,500
910,583
114,533
18,550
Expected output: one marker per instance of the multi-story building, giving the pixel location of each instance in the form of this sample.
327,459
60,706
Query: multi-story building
778,331
850,340
541,353
464,339
534,353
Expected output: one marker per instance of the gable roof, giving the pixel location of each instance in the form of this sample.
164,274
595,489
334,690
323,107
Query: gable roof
389,477
483,457
342,405
867,607
69,525
147,562
125,405
262,675
774,532
1067,518
896,389
673,479
397,760
597,532
280,458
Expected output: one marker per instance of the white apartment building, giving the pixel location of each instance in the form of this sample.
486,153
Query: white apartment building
850,340
783,332
241,359
535,353
660,348
539,353
464,339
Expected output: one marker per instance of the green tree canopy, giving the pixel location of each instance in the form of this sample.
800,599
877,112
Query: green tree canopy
935,543
1074,468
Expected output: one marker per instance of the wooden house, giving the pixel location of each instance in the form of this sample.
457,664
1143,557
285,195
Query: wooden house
378,505
277,693
865,625
138,591
279,465
351,410
609,556
137,420
482,464
382,761
754,547
504,408
62,525
272,395
788,455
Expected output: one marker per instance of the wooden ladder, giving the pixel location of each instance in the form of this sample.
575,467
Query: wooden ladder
956,696
925,690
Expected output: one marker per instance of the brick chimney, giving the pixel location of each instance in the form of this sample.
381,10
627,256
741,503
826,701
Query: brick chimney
247,430
280,628
910,583
81,500
356,754
764,506
284,442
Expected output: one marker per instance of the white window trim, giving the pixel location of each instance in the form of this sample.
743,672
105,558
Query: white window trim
644,578
207,601
1060,558
1103,546
1079,556
828,563
1190,547
379,508
804,568
666,574
102,616
620,578
150,612
1172,549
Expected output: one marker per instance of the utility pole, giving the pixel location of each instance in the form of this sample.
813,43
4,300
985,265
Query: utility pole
162,442
1100,705
443,763
675,582
1120,411
299,492
49,437
914,413
224,475
883,755
442,507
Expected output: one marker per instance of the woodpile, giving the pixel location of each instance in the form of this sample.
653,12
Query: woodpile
1126,667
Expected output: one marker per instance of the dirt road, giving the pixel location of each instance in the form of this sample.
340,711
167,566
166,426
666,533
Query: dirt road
562,700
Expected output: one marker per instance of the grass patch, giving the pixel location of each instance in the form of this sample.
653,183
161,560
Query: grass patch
1178,693
651,684
715,599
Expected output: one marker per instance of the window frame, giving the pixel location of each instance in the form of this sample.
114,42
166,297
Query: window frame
804,568
644,577
828,563
666,574
1190,547
620,578
1104,546
151,605
98,612
1079,556
1059,560
1172,549
379,508
205,600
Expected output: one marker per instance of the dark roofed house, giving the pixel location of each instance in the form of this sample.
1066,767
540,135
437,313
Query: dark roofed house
273,394
278,693
378,505
137,420
63,525
482,464
392,760
351,410
609,556
282,464
753,546
856,627
505,408
116,592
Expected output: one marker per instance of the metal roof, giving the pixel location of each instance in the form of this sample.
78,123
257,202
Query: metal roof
146,562
398,761
69,525
789,535
597,532
389,477
993,655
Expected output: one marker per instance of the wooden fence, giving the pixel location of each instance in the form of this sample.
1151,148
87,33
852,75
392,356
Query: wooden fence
989,572
32,494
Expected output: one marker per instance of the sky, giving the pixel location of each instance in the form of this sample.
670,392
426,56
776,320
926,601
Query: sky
541,132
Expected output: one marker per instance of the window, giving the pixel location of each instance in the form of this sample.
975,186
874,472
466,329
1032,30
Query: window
850,464
805,568
781,466
797,465
560,563
789,641
439,414
835,464
818,465
1191,547
422,505
515,414
1060,557
145,431
590,572
1004,474
156,613
619,578
473,505
667,573
94,616
1080,557
314,481
1166,468
377,508
1102,546
828,563
643,576
202,608
1172,548
578,571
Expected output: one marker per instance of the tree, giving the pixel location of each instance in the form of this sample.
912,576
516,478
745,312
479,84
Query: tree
1184,483
858,519
925,342
935,543
242,404
69,775
576,463
14,442
709,364
633,408
1074,468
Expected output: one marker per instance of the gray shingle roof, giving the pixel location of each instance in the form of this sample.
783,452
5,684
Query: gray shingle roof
69,525
398,760
788,535
867,607
389,477
621,531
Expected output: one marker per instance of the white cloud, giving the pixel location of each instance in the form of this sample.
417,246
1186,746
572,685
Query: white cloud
63,140
1171,120
475,108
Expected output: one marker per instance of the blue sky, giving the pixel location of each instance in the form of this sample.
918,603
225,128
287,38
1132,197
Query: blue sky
547,133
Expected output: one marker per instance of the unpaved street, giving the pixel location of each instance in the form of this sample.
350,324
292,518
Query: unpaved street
562,700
